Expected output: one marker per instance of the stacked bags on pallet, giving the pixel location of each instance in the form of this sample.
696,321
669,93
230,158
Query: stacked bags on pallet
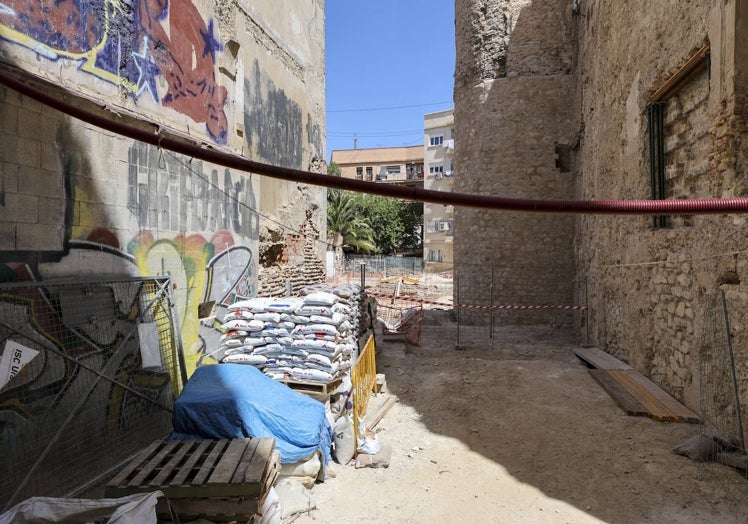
308,338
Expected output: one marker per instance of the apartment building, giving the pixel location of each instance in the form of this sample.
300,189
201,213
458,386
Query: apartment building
438,161
392,165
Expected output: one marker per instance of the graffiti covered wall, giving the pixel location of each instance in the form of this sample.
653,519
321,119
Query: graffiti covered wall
80,202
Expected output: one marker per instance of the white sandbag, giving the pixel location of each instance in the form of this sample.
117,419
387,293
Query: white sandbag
253,305
321,336
270,512
239,314
285,305
253,342
273,332
307,468
315,375
327,345
319,359
243,324
233,333
344,440
309,310
269,349
245,358
131,509
268,317
341,308
232,343
311,329
336,319
295,319
293,498
321,298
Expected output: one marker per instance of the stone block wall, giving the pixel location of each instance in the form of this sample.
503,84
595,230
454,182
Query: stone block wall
515,129
551,102
649,287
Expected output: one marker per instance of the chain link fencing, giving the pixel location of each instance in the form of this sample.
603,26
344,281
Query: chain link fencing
89,373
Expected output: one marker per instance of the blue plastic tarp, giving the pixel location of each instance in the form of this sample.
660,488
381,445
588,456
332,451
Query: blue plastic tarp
226,401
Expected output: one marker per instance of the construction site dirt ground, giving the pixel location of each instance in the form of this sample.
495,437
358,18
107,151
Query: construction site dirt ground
513,428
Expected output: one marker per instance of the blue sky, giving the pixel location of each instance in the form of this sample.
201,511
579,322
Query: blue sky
383,55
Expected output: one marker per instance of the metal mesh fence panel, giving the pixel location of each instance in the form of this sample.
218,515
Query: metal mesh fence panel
103,365
719,392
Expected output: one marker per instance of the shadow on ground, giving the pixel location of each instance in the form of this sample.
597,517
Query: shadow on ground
523,400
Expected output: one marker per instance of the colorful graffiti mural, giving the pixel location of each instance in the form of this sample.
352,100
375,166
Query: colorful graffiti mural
86,373
130,43
94,325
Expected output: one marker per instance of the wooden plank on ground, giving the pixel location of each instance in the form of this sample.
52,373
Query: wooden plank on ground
661,404
618,393
600,359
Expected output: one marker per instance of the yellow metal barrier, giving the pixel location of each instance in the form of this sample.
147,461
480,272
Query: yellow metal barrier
363,377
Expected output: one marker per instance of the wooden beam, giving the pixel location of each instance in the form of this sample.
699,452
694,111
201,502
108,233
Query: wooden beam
695,64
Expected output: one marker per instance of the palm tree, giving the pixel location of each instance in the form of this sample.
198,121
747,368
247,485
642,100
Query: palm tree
345,228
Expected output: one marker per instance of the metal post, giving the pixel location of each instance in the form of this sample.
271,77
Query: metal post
458,346
363,275
491,329
735,388
587,313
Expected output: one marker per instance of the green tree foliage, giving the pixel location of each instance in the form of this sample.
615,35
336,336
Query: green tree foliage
346,226
333,169
395,223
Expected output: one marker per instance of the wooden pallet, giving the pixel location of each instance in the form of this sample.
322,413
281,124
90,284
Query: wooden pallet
318,390
215,479
633,392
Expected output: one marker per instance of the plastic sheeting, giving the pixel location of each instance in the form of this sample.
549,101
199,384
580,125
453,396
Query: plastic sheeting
226,401
133,509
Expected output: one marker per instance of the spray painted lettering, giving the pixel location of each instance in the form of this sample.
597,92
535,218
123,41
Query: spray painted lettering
166,192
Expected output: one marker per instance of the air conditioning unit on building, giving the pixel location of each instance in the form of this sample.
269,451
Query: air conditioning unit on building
443,226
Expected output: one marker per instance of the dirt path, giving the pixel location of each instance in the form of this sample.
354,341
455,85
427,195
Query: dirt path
519,432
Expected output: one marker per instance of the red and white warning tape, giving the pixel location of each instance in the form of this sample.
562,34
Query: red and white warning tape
472,306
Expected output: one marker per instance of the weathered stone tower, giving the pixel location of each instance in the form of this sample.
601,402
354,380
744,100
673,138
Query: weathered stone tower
515,130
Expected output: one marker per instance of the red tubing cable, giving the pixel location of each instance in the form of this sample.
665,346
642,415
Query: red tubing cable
700,206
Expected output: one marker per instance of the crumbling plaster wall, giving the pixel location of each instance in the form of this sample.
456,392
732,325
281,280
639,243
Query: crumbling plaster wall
514,128
648,287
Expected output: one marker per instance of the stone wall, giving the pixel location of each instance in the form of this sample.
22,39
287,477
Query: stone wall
515,128
551,102
650,288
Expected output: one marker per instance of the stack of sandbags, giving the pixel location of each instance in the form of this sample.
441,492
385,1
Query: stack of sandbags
299,338
352,296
